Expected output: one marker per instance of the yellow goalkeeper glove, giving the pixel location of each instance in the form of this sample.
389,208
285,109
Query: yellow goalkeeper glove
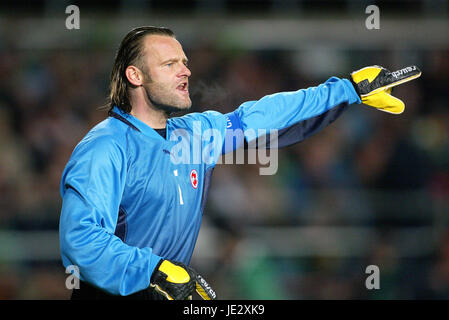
176,281
374,84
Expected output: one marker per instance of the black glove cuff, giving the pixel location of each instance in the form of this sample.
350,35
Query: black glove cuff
156,269
356,87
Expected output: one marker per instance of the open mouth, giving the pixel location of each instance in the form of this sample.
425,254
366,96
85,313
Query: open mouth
183,87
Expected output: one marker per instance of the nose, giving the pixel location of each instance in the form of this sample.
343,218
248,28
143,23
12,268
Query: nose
185,71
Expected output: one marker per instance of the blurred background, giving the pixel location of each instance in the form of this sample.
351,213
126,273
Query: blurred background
371,189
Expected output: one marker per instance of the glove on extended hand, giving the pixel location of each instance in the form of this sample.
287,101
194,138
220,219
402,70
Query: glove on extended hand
374,84
176,281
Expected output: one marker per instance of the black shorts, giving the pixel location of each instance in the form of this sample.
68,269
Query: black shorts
89,292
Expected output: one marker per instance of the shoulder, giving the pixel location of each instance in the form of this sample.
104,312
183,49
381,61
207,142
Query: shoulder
107,137
100,156
209,120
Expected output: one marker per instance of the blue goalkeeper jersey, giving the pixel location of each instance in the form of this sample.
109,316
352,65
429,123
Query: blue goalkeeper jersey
132,197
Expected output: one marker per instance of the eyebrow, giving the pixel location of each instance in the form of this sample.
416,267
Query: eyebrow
185,60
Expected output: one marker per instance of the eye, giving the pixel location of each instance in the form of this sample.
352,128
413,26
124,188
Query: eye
169,64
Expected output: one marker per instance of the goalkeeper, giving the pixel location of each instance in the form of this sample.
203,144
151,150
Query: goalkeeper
131,215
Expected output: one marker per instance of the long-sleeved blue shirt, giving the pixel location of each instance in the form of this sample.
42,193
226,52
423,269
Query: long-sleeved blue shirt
131,197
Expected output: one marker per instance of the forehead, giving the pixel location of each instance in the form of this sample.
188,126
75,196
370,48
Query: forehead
161,48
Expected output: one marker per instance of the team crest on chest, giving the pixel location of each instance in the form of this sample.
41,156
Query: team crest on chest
194,178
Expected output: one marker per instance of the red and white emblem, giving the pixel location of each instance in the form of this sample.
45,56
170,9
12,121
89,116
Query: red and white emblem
194,178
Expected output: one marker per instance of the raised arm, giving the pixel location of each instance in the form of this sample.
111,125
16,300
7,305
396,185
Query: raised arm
299,114
295,115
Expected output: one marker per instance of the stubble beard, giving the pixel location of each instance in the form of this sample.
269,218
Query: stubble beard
163,100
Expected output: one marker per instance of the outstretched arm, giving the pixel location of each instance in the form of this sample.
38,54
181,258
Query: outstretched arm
299,114
295,115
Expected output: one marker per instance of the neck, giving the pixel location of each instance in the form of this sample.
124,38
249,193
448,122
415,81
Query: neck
148,114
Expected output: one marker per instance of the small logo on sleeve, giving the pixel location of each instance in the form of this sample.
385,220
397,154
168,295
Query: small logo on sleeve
194,178
228,123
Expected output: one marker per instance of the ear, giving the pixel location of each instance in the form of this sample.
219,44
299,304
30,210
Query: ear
134,76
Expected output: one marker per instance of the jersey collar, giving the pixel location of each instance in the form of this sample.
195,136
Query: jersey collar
136,124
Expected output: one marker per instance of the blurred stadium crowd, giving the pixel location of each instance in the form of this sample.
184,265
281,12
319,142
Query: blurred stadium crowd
368,171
